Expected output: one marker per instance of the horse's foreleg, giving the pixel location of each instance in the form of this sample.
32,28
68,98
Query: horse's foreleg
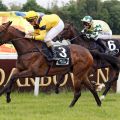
92,90
8,91
8,88
9,85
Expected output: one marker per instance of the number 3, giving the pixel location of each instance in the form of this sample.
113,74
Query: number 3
62,52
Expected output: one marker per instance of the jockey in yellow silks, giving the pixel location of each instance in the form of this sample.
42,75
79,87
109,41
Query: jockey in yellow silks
96,30
46,27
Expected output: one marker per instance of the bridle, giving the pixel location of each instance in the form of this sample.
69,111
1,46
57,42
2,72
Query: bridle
5,29
75,37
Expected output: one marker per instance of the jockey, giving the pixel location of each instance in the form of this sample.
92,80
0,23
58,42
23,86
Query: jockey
46,28
96,30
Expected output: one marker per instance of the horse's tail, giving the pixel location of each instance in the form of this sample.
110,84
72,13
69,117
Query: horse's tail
114,61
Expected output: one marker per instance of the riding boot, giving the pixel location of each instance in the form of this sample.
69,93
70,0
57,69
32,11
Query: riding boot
106,49
52,48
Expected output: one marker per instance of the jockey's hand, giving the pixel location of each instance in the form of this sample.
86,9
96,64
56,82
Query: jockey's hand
28,36
88,36
83,35
30,32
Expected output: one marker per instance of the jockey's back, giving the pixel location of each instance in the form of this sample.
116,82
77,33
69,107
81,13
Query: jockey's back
104,26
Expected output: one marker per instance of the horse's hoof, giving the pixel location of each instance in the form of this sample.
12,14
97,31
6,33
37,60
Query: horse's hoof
56,91
99,104
102,97
8,100
71,105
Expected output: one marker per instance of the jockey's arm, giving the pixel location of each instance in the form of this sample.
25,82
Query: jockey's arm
95,33
41,35
42,31
83,31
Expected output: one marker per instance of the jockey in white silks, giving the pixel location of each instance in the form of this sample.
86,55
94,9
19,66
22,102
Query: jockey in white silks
96,30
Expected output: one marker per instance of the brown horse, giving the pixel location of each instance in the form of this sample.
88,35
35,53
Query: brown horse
31,62
71,33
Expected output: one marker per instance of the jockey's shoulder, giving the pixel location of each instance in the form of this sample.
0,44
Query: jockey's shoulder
99,22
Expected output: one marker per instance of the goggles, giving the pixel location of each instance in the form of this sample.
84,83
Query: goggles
30,20
86,24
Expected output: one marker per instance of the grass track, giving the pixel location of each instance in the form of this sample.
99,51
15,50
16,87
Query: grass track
25,106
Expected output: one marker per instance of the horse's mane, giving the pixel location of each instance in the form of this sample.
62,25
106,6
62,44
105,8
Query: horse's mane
36,42
72,24
17,31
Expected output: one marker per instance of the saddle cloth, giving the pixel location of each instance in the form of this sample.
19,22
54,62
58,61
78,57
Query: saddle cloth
112,44
62,54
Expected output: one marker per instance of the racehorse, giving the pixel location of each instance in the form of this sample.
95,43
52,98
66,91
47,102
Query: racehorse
31,62
72,34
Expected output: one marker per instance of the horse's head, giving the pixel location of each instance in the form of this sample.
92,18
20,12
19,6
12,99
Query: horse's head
3,30
68,32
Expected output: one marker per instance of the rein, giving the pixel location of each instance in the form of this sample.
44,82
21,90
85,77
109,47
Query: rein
5,29
75,37
12,40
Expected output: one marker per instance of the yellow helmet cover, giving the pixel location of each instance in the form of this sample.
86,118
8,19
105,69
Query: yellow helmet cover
31,15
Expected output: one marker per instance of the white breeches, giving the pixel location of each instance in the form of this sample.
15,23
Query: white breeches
105,35
54,31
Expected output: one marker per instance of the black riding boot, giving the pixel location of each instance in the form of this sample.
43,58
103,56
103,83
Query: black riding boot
106,49
52,48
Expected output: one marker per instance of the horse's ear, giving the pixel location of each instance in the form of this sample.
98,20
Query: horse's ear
10,22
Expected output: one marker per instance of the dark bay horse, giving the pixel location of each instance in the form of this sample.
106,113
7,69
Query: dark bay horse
32,63
71,33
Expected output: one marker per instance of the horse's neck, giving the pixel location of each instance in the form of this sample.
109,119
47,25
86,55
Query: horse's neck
22,45
75,36
80,41
76,39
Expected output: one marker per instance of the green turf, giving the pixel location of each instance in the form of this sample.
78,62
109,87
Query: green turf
25,106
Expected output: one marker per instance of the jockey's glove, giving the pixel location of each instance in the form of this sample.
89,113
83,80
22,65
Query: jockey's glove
92,36
88,36
95,37
29,36
29,32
